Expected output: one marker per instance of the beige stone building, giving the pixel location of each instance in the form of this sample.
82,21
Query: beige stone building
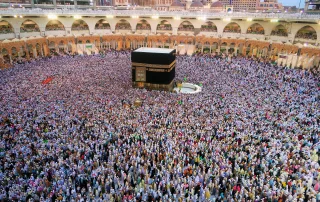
241,5
270,6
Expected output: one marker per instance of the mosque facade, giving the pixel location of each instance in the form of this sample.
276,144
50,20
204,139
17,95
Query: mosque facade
288,39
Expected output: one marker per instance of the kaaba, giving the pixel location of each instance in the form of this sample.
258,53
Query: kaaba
153,68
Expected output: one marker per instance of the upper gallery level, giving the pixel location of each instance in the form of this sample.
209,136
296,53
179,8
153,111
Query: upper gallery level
147,12
284,27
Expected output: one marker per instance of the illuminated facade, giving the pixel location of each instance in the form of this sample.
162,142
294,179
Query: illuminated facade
290,39
242,5
270,6
312,6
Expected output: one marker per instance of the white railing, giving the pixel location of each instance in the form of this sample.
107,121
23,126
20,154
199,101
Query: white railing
89,12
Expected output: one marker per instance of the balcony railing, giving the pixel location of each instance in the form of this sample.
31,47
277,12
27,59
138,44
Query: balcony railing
91,12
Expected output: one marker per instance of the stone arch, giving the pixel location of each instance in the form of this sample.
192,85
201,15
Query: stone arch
232,44
255,28
223,43
29,49
164,25
23,51
232,27
102,24
215,46
306,32
78,25
186,26
5,55
54,25
206,46
223,46
279,30
5,27
29,26
143,25
61,43
14,52
52,45
61,46
69,45
123,25
208,26
38,49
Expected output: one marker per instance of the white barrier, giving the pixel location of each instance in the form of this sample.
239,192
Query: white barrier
188,88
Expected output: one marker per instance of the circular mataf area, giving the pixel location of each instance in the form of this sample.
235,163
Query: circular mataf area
187,88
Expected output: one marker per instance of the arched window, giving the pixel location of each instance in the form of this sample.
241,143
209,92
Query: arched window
79,25
54,25
186,26
232,28
164,26
29,26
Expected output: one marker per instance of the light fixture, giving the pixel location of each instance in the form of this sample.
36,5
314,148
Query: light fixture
177,18
110,16
155,17
52,17
77,17
15,16
135,16
305,44
202,18
274,20
227,19
21,16
249,19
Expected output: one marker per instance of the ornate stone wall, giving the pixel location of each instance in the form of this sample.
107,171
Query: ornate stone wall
39,47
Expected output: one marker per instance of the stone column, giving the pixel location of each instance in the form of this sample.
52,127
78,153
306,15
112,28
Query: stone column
244,50
251,51
27,53
34,51
75,4
41,51
257,52
19,54
10,57
94,4
55,4
32,3
174,30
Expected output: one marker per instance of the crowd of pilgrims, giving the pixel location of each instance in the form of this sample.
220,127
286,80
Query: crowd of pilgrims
251,135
